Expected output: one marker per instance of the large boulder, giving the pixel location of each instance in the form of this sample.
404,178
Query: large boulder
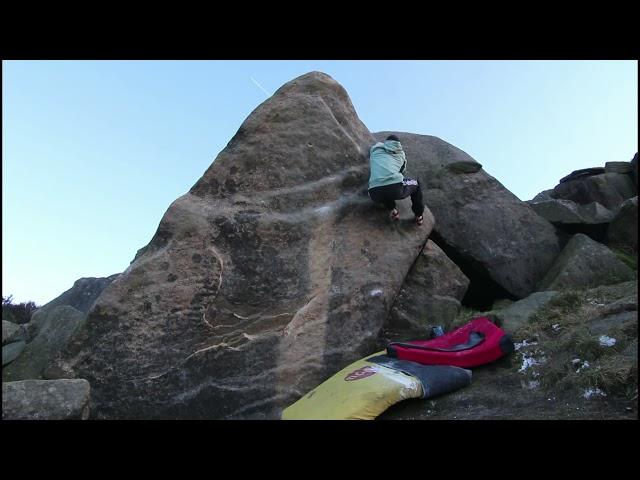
595,214
567,212
570,217
430,295
11,351
634,163
585,263
45,400
272,273
618,167
623,230
490,233
52,325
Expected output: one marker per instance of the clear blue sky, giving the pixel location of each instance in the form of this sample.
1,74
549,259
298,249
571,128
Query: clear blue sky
94,152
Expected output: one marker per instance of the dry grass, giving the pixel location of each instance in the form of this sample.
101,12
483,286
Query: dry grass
562,333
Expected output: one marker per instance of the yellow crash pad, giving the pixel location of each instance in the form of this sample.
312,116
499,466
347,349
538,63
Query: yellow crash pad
361,391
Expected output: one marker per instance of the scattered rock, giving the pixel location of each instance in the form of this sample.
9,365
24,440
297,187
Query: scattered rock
56,327
12,332
520,313
45,400
593,214
626,304
623,229
570,218
602,325
501,303
585,263
11,351
557,211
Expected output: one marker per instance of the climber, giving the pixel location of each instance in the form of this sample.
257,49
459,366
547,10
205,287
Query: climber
387,183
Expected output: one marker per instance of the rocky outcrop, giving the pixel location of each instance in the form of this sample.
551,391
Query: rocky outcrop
623,230
618,167
480,225
271,274
45,400
587,200
585,263
430,295
51,327
608,189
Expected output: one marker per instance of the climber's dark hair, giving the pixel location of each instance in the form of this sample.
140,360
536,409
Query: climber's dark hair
393,137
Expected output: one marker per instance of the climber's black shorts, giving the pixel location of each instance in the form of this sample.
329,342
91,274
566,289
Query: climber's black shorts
388,194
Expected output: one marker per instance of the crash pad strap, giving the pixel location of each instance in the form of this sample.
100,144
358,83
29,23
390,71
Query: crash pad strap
475,339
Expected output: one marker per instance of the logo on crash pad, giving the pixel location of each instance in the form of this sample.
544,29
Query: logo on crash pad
360,373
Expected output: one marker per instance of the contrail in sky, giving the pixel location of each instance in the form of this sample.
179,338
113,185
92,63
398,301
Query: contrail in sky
260,87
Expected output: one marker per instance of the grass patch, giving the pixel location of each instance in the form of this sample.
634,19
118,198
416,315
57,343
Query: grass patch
626,255
617,375
561,330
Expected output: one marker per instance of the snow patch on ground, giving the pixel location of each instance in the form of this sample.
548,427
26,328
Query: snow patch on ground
529,361
593,392
581,364
531,384
523,344
606,341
